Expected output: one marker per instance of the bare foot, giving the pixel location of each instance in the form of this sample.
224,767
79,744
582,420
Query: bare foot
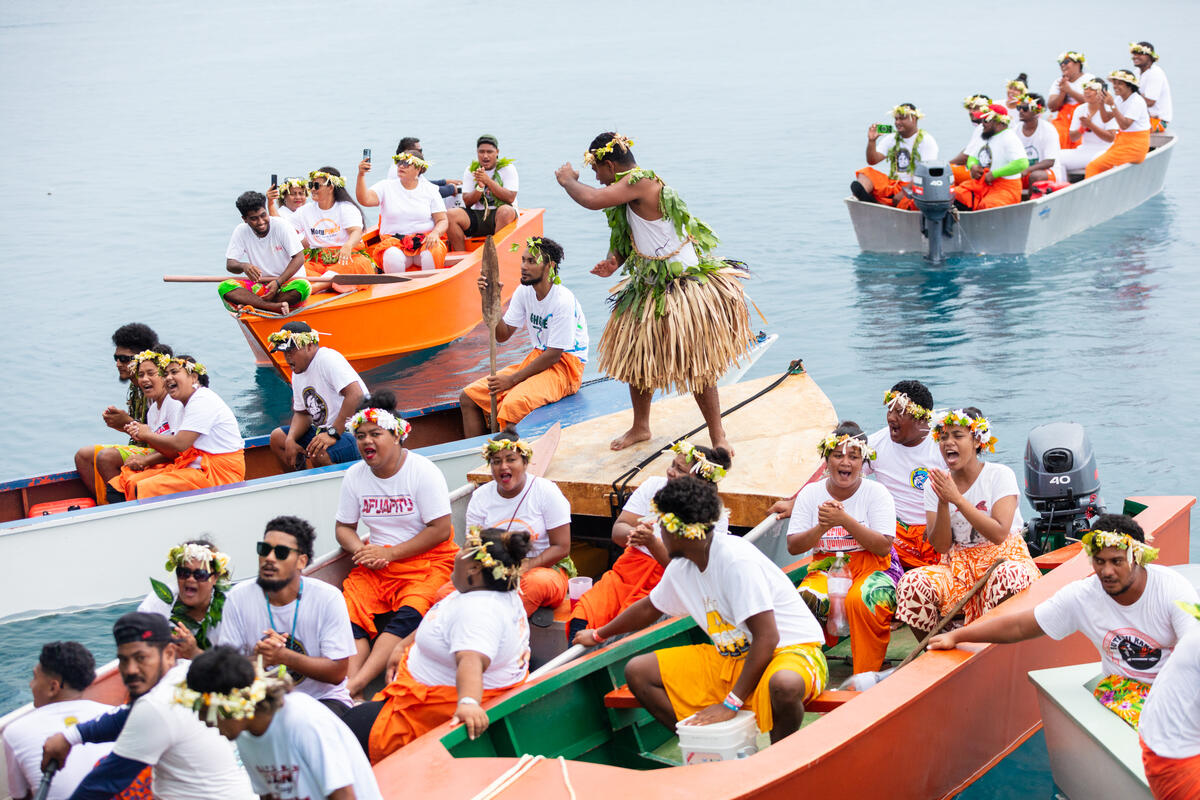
630,437
284,310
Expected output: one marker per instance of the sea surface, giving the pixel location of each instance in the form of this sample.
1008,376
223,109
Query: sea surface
130,128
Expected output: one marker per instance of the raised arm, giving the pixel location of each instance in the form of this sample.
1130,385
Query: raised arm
596,199
361,193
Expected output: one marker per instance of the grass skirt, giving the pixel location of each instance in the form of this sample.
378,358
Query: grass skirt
704,330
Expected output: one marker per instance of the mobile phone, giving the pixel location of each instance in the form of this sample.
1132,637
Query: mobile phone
274,180
366,154
884,127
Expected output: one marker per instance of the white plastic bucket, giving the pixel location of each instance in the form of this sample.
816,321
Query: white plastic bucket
577,586
722,741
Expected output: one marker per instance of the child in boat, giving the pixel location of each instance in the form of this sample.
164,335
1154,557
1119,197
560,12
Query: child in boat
1128,609
515,500
844,515
1170,722
558,334
640,566
402,499
206,451
766,646
471,647
290,744
203,577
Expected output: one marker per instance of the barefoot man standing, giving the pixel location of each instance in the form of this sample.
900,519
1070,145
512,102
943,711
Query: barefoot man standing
679,317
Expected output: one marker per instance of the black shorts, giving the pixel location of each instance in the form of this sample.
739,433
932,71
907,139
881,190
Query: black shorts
480,225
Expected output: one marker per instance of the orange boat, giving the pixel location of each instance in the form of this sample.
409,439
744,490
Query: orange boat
379,323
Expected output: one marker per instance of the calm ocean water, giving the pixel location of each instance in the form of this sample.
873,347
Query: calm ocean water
130,129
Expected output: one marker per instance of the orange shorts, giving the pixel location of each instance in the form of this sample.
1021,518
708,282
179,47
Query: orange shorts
411,582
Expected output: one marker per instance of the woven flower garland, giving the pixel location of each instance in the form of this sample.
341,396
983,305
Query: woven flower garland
411,160
192,367
832,442
479,549
384,419
236,704
902,403
160,360
599,154
700,465
906,110
1123,75
493,446
676,526
1135,552
1142,49
1072,55
979,428
336,180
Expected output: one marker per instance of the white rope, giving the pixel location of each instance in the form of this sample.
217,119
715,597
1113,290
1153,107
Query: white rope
510,777
567,778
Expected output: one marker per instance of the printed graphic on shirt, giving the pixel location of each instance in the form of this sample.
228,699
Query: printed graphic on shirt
836,540
918,477
296,646
163,427
385,506
315,405
964,534
729,640
326,227
1138,652
1032,154
903,160
985,156
540,324
515,524
281,779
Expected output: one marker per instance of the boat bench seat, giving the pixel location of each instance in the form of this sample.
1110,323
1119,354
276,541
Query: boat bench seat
827,700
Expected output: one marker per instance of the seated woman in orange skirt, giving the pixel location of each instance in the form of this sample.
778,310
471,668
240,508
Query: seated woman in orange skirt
333,229
163,412
973,519
205,451
412,216
403,500
471,647
1128,109
640,567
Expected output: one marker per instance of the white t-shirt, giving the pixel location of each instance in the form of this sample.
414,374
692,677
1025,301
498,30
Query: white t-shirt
508,179
994,483
289,216
1076,86
927,151
206,414
270,253
328,228
870,505
322,629
1170,721
403,211
639,503
539,507
999,150
492,623
904,471
394,509
976,139
1090,139
23,741
317,390
1154,86
1043,144
306,753
191,760
164,419
1134,641
152,605
1133,107
738,583
554,321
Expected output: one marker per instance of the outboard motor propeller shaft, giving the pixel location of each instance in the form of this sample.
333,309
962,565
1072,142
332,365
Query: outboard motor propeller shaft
931,193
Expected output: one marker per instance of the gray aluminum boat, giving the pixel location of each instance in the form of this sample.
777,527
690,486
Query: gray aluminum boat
1027,227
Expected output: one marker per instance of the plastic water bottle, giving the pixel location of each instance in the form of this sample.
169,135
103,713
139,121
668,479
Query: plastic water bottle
838,582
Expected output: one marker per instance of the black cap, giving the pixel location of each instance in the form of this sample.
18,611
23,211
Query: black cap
137,626
291,327
487,138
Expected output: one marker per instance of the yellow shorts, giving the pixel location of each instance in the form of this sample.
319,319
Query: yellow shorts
697,676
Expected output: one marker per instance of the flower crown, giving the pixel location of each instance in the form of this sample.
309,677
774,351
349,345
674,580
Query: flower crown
832,442
384,419
1095,84
1135,552
990,114
600,153
160,360
977,101
673,524
292,183
701,466
1026,99
1134,47
295,338
1072,55
181,554
238,703
902,403
978,427
336,180
411,160
479,549
1018,85
906,110
193,367
493,446
1123,75
534,245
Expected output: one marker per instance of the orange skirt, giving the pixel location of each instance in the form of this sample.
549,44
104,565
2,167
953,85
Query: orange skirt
978,194
216,469
412,582
410,709
887,192
437,250
912,548
1157,126
631,578
1127,148
1171,778
1062,124
563,378
360,263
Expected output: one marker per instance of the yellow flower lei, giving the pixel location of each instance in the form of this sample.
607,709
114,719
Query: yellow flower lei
1037,104
1123,75
1094,85
906,111
493,446
597,155
477,548
1018,85
901,402
1134,47
160,360
1072,55
978,427
297,338
673,524
409,158
832,442
292,183
336,180
1135,552
701,466
194,367
237,704
976,101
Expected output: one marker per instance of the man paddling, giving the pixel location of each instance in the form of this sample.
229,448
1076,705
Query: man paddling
267,251
679,319
558,332
1128,609
766,645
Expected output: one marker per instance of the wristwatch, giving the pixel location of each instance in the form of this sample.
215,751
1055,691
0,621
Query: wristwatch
332,431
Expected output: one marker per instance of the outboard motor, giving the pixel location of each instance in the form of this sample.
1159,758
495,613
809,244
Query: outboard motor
931,192
1062,484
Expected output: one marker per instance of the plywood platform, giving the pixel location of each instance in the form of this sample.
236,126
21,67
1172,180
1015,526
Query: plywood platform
774,439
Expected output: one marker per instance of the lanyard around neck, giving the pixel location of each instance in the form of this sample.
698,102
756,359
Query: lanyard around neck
295,614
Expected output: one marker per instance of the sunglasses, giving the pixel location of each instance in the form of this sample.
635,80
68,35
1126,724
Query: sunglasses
122,359
316,185
282,551
183,573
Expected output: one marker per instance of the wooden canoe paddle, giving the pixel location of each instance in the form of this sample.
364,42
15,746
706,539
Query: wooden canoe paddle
348,280
491,309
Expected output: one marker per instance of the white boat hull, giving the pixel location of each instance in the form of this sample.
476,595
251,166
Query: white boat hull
1023,228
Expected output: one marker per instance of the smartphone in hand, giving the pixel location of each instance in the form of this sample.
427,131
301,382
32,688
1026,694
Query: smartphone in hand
884,127
367,154
274,180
